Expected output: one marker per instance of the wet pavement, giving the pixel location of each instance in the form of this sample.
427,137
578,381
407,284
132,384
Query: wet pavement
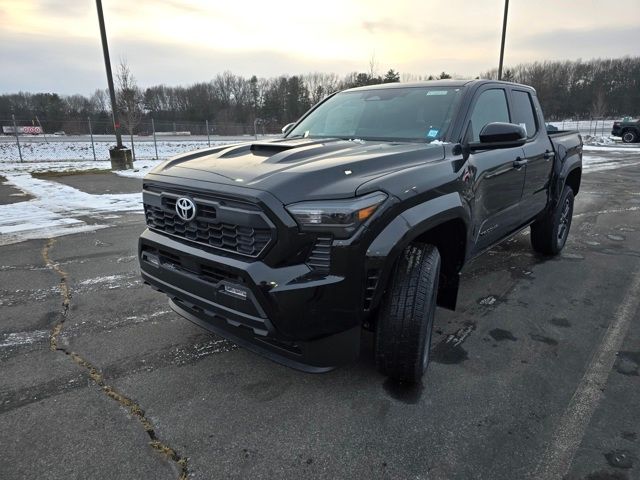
535,376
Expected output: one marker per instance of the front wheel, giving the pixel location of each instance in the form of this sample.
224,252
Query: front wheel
549,234
405,322
629,136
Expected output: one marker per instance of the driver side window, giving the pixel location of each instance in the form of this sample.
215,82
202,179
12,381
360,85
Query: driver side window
491,106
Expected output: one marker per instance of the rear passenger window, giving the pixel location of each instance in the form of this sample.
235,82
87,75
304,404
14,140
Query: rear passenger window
523,113
490,107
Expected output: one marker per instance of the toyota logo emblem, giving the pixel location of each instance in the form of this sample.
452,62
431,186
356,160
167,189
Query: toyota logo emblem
186,209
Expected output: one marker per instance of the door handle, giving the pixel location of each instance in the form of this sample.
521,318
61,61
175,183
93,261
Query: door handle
518,163
547,155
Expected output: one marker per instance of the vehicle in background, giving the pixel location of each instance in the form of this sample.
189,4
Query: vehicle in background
361,217
59,133
628,129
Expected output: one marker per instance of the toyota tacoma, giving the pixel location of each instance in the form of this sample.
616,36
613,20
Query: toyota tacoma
360,217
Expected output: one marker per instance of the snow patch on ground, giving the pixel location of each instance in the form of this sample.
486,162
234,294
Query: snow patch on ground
598,140
104,279
23,338
51,213
612,148
141,167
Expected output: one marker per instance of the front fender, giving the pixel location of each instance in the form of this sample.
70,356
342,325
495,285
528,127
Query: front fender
415,221
405,228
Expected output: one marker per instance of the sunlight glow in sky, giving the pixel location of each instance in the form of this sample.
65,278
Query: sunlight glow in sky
54,45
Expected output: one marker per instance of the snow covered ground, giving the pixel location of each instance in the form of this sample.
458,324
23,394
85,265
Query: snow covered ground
586,127
58,209
55,208
33,151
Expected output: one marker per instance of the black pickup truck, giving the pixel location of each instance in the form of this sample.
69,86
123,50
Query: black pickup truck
361,216
628,129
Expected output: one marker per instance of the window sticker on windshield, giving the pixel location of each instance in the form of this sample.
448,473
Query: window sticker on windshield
437,92
433,133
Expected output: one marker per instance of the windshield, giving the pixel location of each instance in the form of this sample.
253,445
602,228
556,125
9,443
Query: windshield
416,114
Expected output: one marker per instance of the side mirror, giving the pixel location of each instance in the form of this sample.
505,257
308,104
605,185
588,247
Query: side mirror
287,127
500,135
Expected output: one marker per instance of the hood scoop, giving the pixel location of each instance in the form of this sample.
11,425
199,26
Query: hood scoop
270,148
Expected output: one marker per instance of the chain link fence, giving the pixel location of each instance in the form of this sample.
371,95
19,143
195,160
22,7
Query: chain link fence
50,140
90,139
595,127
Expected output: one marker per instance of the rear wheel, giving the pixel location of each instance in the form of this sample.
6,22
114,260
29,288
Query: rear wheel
405,321
549,234
629,136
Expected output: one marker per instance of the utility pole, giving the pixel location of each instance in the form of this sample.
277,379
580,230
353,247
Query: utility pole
15,130
107,64
504,34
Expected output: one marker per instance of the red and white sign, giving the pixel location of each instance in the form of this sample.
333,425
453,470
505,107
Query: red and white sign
9,130
31,130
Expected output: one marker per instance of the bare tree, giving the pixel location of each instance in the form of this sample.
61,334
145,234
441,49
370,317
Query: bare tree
130,100
320,85
598,107
373,65
100,101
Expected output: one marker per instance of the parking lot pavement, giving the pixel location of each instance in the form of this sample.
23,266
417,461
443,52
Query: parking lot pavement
535,375
10,194
96,183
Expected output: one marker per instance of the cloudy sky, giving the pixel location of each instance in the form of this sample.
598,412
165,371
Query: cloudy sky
54,45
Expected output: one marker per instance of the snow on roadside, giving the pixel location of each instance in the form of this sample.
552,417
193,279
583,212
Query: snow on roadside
140,167
51,213
618,147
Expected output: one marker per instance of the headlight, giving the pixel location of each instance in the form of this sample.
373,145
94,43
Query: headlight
340,217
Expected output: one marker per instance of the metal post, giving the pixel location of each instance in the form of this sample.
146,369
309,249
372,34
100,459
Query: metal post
504,34
208,137
41,128
93,147
255,128
107,64
133,149
153,129
15,130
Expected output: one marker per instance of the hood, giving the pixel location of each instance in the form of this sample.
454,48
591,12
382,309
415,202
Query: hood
301,169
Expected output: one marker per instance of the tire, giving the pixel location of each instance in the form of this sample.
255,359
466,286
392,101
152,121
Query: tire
405,321
629,136
549,234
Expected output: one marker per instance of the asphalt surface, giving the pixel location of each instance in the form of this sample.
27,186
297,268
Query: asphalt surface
535,376
97,183
10,194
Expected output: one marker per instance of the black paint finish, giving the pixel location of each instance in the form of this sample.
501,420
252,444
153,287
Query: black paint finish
466,199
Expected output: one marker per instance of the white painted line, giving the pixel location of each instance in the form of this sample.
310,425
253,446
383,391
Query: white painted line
556,459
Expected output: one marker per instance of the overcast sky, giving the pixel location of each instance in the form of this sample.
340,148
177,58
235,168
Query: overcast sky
54,45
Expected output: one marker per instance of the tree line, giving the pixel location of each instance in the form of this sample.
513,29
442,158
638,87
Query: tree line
581,89
567,89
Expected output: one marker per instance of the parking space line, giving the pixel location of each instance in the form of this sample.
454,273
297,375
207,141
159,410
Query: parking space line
556,460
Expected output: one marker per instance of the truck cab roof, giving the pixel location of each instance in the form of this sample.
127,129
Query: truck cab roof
442,83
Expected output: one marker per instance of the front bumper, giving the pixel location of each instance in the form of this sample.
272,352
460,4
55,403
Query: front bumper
290,314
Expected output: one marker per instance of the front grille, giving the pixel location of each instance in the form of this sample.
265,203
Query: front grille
220,224
320,256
